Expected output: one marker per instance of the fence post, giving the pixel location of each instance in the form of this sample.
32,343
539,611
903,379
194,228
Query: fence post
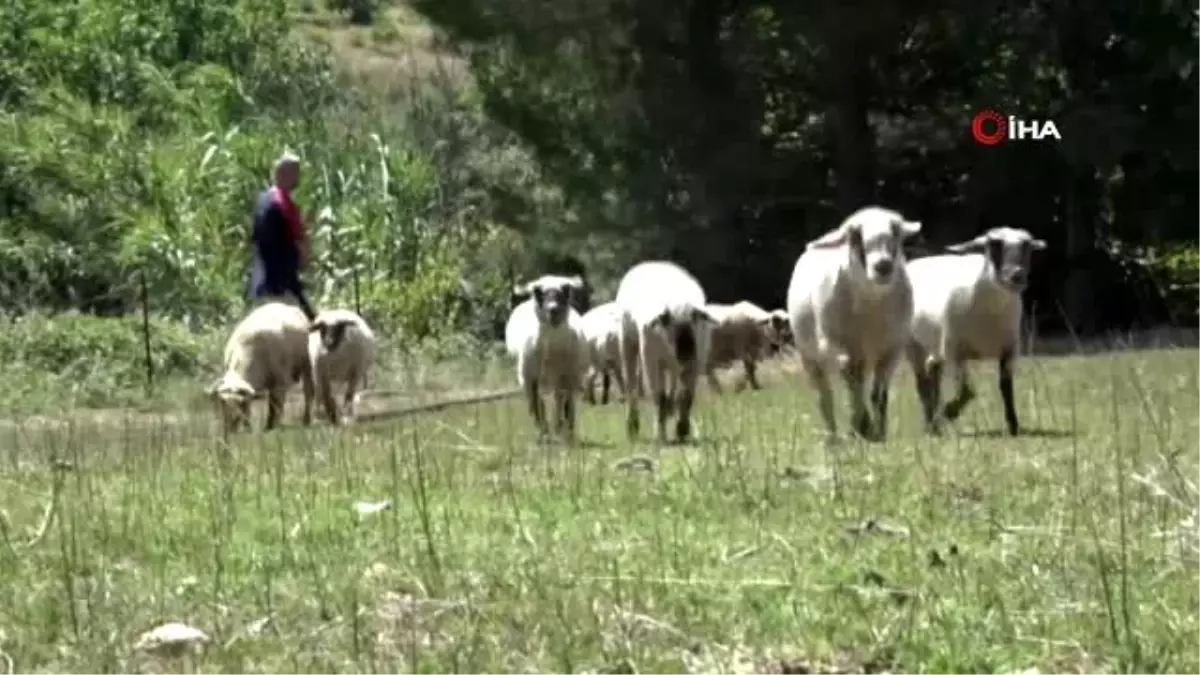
146,331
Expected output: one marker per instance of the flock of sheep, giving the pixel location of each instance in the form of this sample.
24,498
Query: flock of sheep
855,306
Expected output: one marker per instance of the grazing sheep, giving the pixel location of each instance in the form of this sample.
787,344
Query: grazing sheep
546,336
850,304
581,293
968,307
267,352
742,332
341,347
602,328
665,332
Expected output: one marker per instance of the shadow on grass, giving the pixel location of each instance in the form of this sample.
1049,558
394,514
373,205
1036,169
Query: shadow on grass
1025,433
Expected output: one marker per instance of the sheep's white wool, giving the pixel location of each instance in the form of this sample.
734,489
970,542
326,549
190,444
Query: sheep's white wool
341,348
968,307
602,329
171,639
665,333
546,335
850,303
266,353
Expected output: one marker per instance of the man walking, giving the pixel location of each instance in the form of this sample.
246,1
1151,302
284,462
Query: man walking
280,240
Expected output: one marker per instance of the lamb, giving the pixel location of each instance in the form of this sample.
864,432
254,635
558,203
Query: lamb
545,334
267,352
602,328
742,332
968,307
665,333
341,349
850,303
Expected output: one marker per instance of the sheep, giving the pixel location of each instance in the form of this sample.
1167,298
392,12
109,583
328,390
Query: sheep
581,293
968,307
850,303
546,336
742,332
602,328
665,333
341,348
267,352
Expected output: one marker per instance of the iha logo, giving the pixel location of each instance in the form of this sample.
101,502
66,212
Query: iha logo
990,127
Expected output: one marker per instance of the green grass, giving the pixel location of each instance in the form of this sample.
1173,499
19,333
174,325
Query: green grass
746,551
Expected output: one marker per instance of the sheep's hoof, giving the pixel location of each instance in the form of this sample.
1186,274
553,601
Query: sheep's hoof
862,426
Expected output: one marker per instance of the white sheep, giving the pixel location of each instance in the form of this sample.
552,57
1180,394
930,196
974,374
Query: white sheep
742,332
341,348
968,307
850,303
266,353
602,328
545,334
665,333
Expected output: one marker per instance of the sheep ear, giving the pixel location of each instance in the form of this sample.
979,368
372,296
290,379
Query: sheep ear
576,281
702,316
664,319
831,239
908,228
976,244
1038,244
316,326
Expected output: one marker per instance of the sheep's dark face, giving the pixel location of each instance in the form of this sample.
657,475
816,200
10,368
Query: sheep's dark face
553,302
332,334
1009,252
780,331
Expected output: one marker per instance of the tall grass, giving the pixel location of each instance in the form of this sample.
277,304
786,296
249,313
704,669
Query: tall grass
1070,549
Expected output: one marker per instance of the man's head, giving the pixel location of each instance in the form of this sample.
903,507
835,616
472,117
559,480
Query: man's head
287,171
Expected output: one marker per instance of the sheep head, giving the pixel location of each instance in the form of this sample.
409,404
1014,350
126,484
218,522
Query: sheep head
875,239
552,298
1008,250
233,395
681,331
332,332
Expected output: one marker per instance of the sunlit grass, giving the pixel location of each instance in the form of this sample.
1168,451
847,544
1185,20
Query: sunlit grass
756,548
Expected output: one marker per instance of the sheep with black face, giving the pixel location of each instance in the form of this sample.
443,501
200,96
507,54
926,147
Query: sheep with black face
968,307
341,347
546,336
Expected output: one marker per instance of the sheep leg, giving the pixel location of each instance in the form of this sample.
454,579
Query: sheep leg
711,375
620,380
589,387
655,384
351,397
929,385
686,391
536,409
328,400
1006,392
631,361
965,395
274,407
879,392
854,373
820,379
752,373
605,384
308,383
568,414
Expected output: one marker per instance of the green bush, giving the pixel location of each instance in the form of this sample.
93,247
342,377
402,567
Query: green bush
96,361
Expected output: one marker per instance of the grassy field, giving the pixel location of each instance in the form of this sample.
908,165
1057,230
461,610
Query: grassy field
756,549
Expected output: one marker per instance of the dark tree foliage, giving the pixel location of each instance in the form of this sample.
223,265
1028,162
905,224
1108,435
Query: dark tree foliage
726,133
